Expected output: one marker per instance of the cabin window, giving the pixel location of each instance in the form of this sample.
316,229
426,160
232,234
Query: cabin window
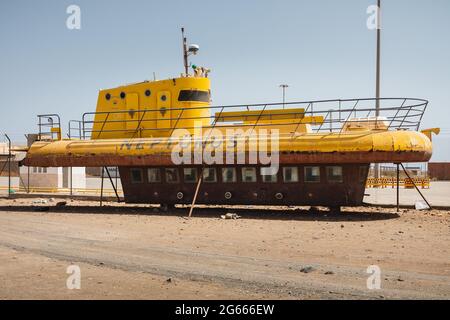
334,174
154,175
44,170
209,175
136,175
271,178
172,175
229,175
193,95
290,174
248,174
312,174
190,175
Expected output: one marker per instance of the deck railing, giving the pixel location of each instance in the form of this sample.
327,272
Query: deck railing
334,115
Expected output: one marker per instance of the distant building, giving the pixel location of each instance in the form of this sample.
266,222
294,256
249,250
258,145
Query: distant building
40,177
439,170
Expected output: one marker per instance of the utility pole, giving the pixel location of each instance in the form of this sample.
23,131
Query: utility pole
377,89
284,87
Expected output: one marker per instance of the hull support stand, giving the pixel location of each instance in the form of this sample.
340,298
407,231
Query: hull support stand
101,189
196,193
112,183
398,187
415,186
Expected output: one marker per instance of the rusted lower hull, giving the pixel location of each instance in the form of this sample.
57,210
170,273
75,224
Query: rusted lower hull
96,160
348,192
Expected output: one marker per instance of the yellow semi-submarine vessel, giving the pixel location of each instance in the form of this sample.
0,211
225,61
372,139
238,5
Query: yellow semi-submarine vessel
319,151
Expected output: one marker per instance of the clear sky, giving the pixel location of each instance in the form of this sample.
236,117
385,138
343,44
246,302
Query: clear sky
321,48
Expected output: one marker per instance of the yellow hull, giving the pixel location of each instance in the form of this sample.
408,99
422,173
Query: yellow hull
367,147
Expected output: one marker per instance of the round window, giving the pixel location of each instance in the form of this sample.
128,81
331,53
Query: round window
163,97
148,93
122,95
108,96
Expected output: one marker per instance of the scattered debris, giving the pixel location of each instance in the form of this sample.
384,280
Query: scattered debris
421,205
230,216
307,269
169,280
61,204
329,272
39,201
342,226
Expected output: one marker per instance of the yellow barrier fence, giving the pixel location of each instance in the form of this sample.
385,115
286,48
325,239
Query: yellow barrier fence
390,182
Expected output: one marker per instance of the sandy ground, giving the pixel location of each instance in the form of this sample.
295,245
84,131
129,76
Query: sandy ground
138,252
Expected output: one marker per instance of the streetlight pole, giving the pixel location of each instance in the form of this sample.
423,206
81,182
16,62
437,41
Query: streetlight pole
377,86
283,87
377,93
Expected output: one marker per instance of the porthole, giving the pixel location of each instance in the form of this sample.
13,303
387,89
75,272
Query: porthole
122,95
163,97
228,195
108,96
279,196
180,195
148,93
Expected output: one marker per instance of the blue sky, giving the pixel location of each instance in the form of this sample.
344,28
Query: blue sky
321,48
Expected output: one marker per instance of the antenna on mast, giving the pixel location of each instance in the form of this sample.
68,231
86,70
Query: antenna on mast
193,49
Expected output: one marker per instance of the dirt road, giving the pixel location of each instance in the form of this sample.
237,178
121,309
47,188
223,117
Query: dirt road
138,252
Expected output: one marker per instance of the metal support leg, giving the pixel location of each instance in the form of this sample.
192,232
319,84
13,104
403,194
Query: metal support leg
28,179
101,190
415,186
114,187
23,182
200,179
398,187
3,168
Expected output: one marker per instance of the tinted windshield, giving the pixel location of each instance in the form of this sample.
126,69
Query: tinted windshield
193,95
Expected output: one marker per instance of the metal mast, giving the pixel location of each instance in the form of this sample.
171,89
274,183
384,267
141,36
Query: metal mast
185,53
